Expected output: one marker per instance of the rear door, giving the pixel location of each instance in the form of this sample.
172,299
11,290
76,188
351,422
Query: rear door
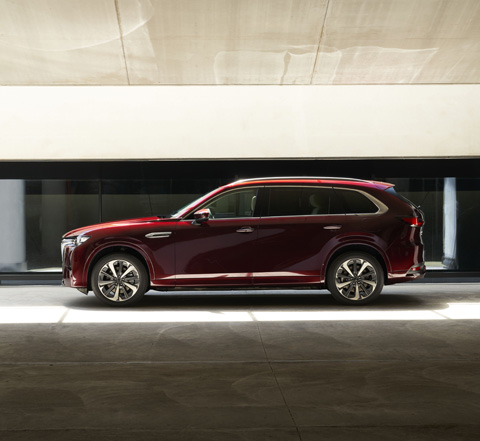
296,223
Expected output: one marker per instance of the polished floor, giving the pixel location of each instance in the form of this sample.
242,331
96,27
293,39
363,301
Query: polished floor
231,366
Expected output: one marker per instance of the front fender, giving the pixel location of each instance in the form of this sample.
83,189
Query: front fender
115,246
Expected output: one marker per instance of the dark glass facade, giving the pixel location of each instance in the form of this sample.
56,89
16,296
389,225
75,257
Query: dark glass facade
42,201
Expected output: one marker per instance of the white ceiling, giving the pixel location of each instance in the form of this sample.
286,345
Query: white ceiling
190,42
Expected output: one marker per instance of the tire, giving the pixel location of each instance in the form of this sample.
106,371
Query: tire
355,278
119,279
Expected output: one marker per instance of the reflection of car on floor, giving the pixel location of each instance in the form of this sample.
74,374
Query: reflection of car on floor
347,235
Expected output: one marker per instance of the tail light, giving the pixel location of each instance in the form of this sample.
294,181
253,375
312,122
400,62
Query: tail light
416,270
413,221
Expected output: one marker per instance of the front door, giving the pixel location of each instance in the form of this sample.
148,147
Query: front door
218,251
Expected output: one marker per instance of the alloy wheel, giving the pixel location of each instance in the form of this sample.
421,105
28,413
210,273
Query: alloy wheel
118,280
356,279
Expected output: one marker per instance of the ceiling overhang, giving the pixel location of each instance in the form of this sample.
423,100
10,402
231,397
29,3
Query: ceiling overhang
233,42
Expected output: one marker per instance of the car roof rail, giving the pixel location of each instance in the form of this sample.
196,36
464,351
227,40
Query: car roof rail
322,178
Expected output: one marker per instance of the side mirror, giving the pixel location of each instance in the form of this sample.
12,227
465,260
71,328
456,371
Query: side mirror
201,216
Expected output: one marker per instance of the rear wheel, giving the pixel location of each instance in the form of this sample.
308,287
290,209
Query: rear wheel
119,279
355,278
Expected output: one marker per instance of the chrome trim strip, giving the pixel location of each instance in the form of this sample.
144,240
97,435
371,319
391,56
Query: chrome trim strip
64,244
158,235
207,276
246,230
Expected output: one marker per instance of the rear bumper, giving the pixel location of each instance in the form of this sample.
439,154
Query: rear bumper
415,272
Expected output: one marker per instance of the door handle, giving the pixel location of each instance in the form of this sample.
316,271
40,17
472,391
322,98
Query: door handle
246,230
332,227
158,235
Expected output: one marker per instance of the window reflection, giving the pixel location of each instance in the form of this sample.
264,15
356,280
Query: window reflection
53,207
124,199
452,208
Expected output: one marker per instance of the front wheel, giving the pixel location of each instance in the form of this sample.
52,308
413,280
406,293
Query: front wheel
355,278
119,279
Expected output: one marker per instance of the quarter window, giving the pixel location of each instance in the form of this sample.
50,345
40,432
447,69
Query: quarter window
356,203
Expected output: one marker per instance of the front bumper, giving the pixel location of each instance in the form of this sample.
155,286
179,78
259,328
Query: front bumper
72,267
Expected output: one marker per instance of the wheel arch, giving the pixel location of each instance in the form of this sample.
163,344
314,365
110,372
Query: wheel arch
362,248
116,249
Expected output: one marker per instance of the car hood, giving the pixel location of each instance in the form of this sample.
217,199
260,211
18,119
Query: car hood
104,225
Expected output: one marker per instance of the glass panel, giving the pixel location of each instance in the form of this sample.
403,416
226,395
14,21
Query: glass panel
130,199
12,226
322,201
468,221
427,194
35,215
303,201
356,202
327,200
126,199
286,202
52,209
234,204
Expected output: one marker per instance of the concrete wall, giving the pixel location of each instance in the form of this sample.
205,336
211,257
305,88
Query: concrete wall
213,122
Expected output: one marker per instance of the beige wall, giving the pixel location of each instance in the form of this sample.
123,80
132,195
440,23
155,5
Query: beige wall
210,122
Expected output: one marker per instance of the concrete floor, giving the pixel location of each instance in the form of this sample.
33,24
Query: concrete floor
264,366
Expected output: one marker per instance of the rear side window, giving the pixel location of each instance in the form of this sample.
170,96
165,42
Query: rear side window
302,201
356,202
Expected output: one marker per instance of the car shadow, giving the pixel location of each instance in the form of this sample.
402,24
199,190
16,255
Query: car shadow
268,300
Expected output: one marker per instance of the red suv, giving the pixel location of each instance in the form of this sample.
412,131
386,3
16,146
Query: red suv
347,235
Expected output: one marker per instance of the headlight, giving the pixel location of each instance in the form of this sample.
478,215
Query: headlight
73,240
81,239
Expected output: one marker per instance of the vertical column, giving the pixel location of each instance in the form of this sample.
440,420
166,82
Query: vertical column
12,226
450,223
53,222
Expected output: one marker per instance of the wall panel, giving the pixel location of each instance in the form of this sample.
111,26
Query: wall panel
239,122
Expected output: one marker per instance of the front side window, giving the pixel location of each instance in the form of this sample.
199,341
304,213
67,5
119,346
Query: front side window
302,201
239,203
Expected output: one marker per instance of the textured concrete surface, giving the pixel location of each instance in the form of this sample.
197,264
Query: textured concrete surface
241,366
227,42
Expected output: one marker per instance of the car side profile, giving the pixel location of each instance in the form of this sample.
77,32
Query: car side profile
347,235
